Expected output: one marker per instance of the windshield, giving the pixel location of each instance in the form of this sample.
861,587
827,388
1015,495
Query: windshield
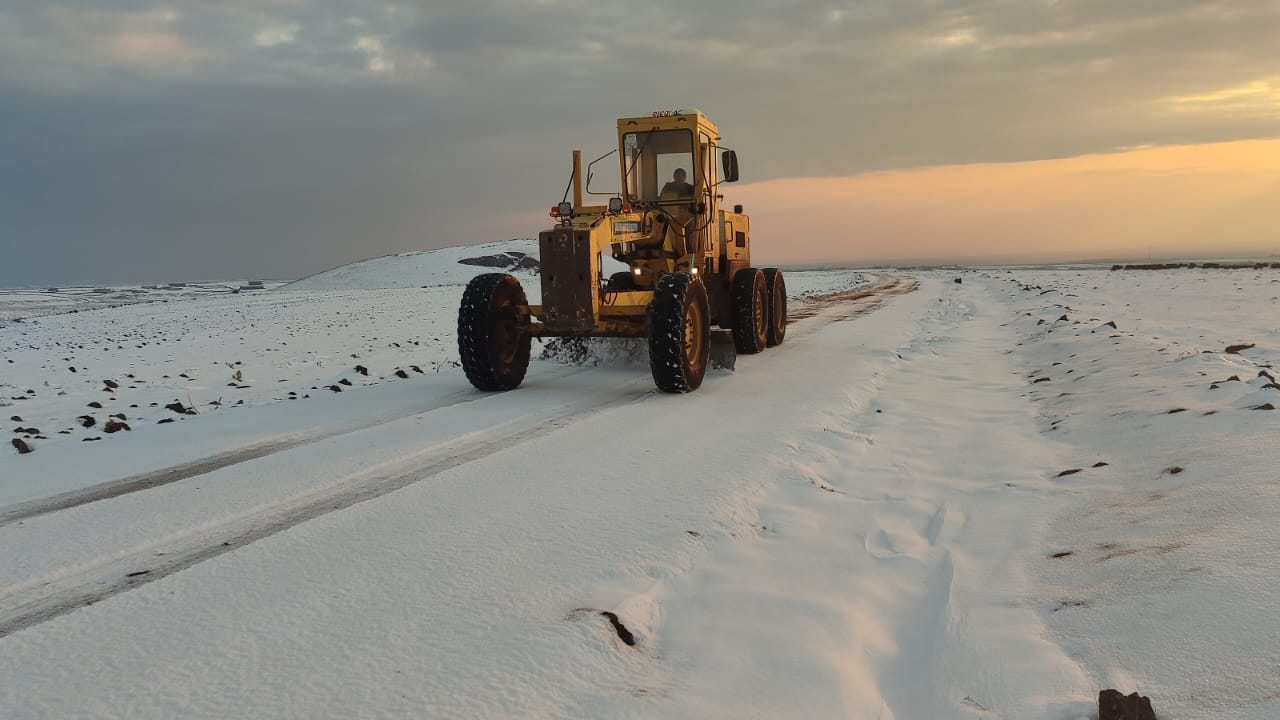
658,165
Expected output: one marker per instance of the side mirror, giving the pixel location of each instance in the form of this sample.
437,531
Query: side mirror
615,204
730,160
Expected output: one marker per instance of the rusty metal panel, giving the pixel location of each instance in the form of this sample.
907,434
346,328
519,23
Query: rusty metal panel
569,280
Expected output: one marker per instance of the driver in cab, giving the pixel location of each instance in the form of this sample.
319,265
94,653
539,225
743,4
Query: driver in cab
678,187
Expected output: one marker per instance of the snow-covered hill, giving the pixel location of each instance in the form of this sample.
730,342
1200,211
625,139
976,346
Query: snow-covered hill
426,268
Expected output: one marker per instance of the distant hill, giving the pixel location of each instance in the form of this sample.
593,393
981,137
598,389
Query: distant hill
445,266
430,268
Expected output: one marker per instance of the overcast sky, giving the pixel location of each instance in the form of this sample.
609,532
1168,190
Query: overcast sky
221,139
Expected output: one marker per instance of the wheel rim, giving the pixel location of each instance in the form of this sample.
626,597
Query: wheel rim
506,333
693,331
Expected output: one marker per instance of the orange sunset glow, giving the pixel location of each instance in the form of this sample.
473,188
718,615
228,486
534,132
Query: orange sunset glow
1180,200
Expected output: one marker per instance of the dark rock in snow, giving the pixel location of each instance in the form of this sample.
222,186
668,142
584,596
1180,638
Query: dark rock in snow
111,384
402,374
165,420
362,370
86,421
623,633
95,404
1114,706
506,261
112,426
16,418
21,445
1235,349
345,381
179,408
336,388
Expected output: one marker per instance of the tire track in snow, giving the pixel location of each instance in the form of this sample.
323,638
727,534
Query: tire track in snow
849,304
37,602
205,465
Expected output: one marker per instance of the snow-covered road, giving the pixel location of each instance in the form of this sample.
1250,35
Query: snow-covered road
920,506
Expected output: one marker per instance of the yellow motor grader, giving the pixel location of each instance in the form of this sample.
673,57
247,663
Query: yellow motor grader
688,259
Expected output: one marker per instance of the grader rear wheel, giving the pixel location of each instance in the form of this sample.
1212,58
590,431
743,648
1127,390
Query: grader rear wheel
679,333
776,291
750,306
493,332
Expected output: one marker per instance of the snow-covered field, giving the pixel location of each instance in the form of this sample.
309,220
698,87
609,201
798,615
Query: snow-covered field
20,303
980,499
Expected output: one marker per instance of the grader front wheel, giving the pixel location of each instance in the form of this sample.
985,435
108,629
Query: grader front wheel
679,333
493,332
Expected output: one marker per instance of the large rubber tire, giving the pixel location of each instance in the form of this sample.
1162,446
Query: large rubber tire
679,333
750,306
620,282
493,332
776,291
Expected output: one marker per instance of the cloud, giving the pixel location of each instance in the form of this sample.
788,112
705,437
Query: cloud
439,123
273,35
1259,98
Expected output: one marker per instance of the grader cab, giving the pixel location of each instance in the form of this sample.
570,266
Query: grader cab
688,259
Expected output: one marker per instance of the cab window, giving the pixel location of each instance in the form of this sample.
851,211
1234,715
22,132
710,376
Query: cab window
651,164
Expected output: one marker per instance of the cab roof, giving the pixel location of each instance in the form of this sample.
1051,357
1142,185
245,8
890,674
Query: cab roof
669,119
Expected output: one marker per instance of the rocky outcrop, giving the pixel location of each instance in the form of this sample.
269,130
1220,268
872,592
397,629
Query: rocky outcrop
511,260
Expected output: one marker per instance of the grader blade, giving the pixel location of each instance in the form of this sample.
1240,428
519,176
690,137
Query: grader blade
723,352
